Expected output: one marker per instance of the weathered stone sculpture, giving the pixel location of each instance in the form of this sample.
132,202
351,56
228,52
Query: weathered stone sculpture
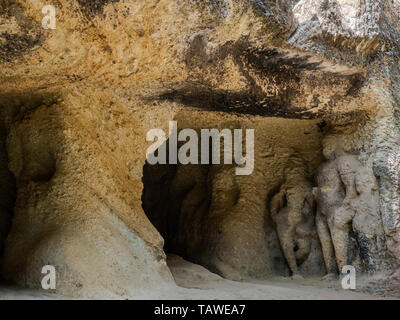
367,222
347,202
292,210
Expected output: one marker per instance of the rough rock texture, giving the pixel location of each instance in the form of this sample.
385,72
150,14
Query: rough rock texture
348,202
318,80
222,220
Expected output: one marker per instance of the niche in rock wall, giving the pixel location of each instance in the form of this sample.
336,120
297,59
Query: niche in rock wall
241,226
305,210
26,162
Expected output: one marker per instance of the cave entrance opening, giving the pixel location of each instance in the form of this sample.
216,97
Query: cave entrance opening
175,199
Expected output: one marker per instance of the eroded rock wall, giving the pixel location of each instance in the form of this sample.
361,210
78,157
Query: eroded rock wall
212,216
78,100
76,211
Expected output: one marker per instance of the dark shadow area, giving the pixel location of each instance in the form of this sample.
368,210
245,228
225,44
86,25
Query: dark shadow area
283,76
16,108
13,46
176,198
8,191
91,8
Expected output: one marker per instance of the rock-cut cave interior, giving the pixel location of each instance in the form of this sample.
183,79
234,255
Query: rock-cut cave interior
316,81
307,210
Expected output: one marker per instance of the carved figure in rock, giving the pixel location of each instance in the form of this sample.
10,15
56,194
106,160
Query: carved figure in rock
329,196
347,166
347,200
362,212
292,210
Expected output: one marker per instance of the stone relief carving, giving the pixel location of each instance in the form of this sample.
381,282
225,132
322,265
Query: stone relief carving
347,206
292,210
343,209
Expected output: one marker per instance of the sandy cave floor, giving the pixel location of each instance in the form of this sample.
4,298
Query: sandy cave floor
196,282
